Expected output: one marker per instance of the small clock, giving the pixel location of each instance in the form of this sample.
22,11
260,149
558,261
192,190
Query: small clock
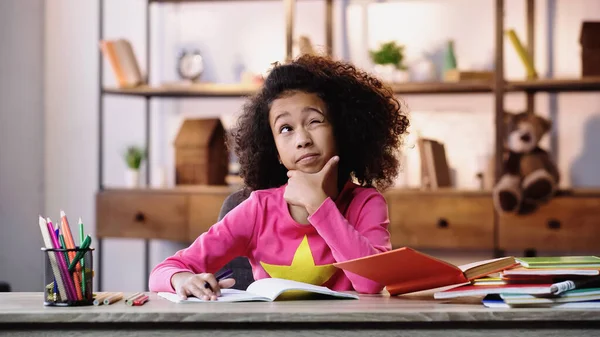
190,65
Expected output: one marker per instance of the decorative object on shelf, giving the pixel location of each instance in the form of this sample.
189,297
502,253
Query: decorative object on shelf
305,46
523,54
424,70
201,155
590,48
435,172
529,176
123,62
449,57
190,65
133,158
388,61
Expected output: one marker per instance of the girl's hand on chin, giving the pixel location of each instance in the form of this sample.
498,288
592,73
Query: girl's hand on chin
309,190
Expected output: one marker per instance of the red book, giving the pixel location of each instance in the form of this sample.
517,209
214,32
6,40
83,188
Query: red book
405,270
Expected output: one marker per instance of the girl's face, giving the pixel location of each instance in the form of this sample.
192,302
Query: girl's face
303,134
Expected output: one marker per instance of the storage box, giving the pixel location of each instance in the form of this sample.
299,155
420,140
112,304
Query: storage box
590,48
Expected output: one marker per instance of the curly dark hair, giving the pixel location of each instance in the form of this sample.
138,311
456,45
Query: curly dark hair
368,123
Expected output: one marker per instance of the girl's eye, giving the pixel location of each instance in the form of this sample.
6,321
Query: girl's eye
315,121
285,128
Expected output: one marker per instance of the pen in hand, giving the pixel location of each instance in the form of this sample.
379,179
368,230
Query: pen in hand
220,276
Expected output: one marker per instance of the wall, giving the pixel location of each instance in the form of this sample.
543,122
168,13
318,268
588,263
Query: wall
21,142
256,33
71,112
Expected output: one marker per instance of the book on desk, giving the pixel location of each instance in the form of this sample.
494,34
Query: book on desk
268,290
405,270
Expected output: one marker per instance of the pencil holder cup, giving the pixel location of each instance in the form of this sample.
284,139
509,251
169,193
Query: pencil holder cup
64,286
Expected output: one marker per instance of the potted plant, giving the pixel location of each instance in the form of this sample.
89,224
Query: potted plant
388,62
133,158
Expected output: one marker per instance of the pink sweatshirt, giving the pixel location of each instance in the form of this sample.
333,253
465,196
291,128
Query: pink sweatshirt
262,229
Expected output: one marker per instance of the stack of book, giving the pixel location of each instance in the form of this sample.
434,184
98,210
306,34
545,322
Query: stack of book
563,281
560,281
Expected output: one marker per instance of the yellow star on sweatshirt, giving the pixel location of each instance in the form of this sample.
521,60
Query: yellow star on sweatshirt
303,268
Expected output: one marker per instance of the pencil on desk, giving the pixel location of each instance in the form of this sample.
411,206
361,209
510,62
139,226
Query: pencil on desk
114,297
141,300
99,299
130,299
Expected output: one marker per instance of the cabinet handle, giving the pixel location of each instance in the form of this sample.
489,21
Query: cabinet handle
553,224
442,223
139,217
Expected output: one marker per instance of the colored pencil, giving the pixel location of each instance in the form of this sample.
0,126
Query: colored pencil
114,297
81,239
62,292
141,300
70,244
62,265
130,299
99,299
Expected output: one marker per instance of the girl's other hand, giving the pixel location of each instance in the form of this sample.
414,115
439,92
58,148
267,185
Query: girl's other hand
188,284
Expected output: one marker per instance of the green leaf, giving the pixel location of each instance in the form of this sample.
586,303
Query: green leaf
134,156
389,53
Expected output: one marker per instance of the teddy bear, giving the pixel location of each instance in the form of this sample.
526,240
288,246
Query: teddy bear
529,177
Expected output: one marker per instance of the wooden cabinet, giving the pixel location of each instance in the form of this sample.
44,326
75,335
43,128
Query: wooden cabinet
179,214
566,224
451,220
204,212
438,219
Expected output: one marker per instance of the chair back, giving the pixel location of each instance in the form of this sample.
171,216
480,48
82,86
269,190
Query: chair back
242,271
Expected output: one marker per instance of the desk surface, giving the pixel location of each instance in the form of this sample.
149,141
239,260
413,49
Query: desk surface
28,308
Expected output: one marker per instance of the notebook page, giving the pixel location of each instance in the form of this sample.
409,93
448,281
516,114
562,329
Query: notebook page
227,295
273,287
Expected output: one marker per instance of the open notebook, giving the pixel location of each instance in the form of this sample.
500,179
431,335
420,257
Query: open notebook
266,290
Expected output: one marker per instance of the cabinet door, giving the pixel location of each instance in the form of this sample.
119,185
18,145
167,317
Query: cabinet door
566,224
139,214
204,212
451,221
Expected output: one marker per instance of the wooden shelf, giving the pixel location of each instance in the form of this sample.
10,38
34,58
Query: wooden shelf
193,90
191,189
178,1
240,90
556,85
442,87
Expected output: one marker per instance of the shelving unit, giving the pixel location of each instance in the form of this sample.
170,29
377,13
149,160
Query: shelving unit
479,201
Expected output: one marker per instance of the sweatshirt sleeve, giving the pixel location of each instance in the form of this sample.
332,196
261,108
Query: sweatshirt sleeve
367,236
224,241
